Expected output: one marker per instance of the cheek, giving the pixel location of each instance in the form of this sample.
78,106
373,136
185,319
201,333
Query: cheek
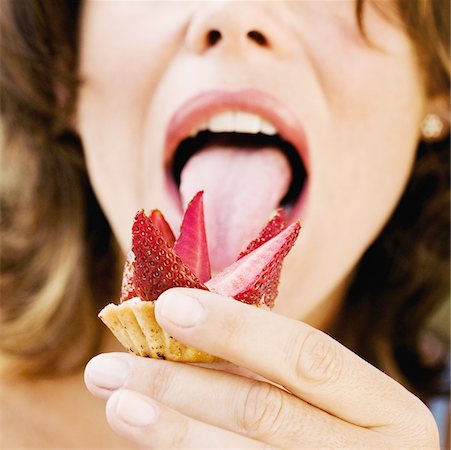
361,156
120,67
375,116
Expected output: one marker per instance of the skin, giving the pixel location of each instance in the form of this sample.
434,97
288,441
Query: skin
361,107
361,118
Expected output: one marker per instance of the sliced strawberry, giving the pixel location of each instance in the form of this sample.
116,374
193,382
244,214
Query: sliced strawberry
191,245
272,228
157,262
127,290
157,267
255,277
159,221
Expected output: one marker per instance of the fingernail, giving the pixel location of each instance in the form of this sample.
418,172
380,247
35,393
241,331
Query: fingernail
181,310
135,409
107,371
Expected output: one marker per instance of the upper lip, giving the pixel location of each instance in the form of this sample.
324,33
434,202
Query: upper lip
201,107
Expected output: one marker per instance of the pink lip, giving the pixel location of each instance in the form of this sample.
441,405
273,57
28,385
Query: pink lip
200,108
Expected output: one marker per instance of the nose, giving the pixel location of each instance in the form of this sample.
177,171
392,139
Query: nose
234,26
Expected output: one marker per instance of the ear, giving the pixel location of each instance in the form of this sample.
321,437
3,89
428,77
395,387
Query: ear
435,125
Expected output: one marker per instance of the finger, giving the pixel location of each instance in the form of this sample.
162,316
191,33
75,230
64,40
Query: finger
307,362
248,407
149,424
108,372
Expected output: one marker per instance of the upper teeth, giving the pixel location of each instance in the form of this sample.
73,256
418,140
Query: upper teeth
238,122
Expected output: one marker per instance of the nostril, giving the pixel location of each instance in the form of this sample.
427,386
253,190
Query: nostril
258,37
213,37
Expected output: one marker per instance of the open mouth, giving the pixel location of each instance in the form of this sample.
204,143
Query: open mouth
192,145
248,154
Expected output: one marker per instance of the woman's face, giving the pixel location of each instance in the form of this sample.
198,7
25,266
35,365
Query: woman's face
351,109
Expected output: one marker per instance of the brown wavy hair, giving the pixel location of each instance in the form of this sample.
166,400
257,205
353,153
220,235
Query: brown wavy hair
58,259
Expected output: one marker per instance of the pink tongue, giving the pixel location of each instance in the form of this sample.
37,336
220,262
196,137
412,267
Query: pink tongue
242,187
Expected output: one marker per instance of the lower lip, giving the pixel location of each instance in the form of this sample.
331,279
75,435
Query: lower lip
300,208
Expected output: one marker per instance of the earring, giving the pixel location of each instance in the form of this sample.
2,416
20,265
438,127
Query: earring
431,127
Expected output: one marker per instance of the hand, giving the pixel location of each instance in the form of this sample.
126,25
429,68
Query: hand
318,394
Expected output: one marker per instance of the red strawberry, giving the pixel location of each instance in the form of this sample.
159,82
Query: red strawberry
254,278
158,263
160,222
191,245
272,228
157,267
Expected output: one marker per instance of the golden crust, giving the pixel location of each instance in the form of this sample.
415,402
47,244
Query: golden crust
135,327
